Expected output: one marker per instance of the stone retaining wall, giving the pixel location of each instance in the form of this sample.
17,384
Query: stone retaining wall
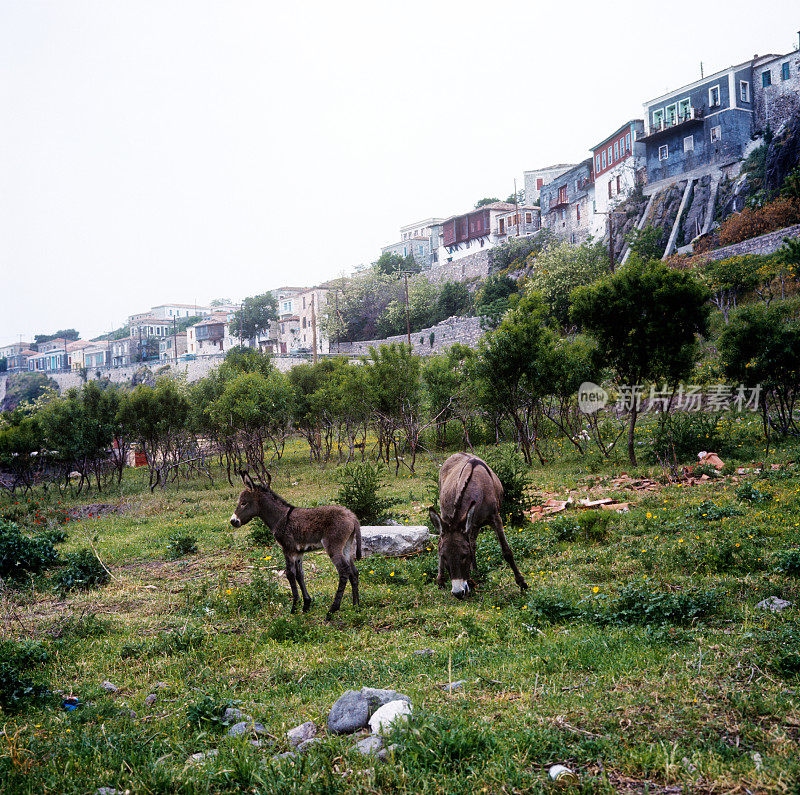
472,266
428,341
765,244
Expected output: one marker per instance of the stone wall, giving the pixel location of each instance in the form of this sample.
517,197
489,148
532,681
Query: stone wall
765,244
464,330
472,266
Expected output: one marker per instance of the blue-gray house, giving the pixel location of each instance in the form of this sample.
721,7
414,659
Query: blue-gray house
698,127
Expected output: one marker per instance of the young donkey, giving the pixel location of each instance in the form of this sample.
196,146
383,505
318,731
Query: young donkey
470,495
298,530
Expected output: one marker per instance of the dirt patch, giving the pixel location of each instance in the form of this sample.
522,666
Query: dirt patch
95,509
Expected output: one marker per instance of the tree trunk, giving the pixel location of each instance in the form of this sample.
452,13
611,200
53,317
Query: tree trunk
631,448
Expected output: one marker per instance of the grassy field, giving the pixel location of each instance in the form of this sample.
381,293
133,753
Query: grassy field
638,657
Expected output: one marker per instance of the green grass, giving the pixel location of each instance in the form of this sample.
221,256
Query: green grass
637,655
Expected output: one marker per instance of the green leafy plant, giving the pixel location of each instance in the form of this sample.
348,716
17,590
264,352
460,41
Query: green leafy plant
510,467
360,487
18,688
179,545
83,571
208,713
22,555
788,562
749,493
260,533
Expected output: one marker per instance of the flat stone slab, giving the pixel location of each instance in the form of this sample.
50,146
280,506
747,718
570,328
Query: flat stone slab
394,539
774,604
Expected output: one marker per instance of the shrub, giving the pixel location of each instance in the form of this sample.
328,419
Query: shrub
638,603
207,713
178,546
17,688
360,484
260,533
788,562
83,571
685,433
88,626
21,555
292,630
510,467
754,221
749,493
587,526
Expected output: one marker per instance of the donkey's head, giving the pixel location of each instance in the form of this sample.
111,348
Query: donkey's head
456,550
248,505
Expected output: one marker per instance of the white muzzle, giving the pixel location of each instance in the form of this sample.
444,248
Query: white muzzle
459,588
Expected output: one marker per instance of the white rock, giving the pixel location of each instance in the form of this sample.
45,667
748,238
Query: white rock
454,685
203,755
774,605
386,715
109,687
369,745
399,540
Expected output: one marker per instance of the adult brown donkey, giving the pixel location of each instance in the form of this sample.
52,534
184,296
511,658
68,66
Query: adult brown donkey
470,496
298,530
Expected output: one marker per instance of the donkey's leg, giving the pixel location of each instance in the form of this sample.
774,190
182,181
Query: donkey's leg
291,575
497,523
301,580
441,575
344,575
349,554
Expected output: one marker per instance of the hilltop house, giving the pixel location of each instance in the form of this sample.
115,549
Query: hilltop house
776,89
467,234
619,164
16,355
567,203
535,180
170,348
420,241
310,305
50,357
210,336
700,127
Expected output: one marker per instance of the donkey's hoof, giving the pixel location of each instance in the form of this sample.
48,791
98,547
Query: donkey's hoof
523,586
306,606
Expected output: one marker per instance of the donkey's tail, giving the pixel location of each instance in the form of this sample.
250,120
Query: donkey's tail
358,540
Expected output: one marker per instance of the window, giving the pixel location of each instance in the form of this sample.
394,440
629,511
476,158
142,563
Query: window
604,159
684,109
616,150
502,223
609,189
628,142
663,152
598,163
610,161
672,114
716,133
562,195
766,79
744,91
578,212
713,97
528,218
619,183
539,183
688,144
785,71
658,119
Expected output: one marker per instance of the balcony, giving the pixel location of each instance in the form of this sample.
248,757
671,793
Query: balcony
681,120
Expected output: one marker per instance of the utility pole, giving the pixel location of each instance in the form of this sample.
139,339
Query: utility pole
175,338
516,207
408,316
314,327
611,241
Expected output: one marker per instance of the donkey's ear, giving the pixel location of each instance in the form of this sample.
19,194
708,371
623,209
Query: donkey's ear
436,520
470,518
247,480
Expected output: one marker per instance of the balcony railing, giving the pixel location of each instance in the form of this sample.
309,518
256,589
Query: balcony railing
665,124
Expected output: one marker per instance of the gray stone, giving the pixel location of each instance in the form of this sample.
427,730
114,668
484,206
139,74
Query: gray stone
106,791
109,687
369,745
151,699
233,715
203,755
385,753
399,540
299,734
286,755
306,744
424,652
454,685
246,727
353,708
390,714
159,685
774,605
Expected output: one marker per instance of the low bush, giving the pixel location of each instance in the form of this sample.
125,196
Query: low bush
178,546
18,688
510,467
749,493
360,487
83,571
22,555
260,533
587,526
788,562
208,713
293,630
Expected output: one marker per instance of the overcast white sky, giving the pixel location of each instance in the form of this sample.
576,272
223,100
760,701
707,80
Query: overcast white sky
154,151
